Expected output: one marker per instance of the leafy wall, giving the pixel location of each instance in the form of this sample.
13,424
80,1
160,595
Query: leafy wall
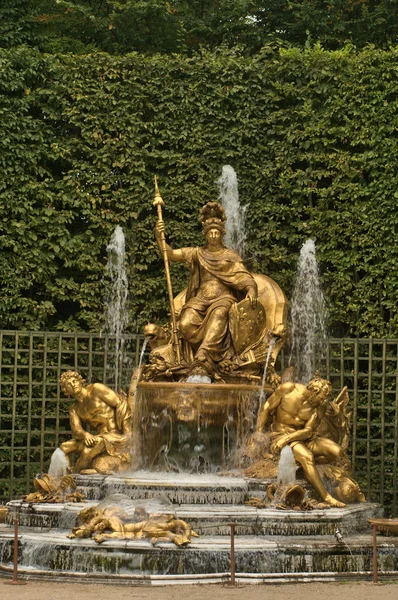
312,135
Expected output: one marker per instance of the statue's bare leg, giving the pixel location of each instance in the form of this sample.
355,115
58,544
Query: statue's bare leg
325,451
307,460
87,455
69,447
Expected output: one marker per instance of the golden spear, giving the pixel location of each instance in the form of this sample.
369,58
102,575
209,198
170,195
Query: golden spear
159,202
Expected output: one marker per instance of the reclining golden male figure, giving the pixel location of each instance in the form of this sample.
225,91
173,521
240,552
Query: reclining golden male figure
157,527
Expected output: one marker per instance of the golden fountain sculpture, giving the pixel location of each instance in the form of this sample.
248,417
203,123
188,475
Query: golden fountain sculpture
223,323
224,327
106,448
114,523
317,430
54,490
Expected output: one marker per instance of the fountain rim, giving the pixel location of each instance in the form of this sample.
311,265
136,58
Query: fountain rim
157,385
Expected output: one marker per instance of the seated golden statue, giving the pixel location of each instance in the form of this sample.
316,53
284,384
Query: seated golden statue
108,415
316,430
226,317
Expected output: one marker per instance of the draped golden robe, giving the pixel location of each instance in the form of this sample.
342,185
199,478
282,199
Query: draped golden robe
218,279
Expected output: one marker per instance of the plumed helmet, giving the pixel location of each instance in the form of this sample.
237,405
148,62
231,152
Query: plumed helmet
213,216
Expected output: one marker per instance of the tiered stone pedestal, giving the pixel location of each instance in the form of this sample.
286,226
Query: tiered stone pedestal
270,544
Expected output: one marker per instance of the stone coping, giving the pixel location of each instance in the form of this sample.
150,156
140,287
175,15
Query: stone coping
214,519
166,480
214,510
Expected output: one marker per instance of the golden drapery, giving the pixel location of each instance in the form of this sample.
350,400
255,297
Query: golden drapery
218,279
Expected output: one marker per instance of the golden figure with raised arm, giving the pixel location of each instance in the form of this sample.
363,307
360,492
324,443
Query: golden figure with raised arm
218,280
297,411
106,448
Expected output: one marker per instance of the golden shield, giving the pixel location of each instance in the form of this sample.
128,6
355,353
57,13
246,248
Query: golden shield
246,324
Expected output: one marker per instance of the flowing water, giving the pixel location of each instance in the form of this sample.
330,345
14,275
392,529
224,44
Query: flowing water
116,312
144,345
308,315
199,379
262,394
134,449
235,237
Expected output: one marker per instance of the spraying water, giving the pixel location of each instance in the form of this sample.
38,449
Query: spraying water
116,313
144,345
287,467
58,464
235,236
308,315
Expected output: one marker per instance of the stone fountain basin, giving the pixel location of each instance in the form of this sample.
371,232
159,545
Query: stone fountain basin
270,544
208,502
214,520
261,556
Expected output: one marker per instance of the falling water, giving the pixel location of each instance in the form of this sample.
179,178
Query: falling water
135,445
235,236
270,347
116,313
144,345
199,379
308,315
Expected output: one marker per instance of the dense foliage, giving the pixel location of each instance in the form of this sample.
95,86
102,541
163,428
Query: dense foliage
149,26
312,135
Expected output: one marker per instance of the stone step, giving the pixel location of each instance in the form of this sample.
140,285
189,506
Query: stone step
213,519
55,553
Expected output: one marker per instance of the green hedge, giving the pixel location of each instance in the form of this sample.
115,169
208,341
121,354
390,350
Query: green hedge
312,135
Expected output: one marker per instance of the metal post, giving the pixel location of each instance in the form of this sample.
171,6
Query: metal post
15,580
232,561
375,574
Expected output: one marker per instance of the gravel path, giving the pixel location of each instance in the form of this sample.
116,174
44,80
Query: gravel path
307,591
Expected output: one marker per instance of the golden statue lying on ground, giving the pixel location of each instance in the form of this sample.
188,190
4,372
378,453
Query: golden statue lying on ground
108,415
156,527
223,323
302,417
